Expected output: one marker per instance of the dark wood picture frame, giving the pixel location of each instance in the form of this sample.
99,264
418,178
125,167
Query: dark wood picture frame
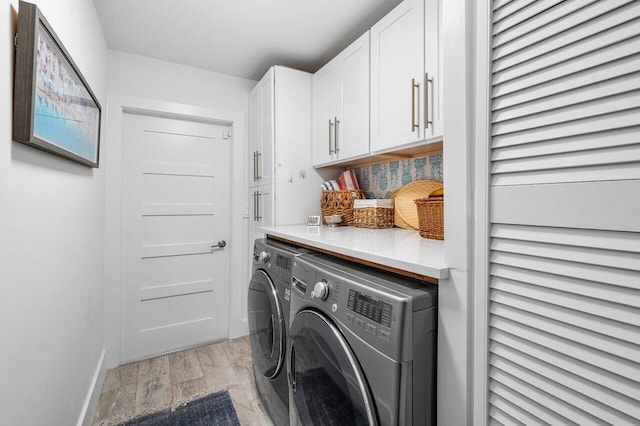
54,109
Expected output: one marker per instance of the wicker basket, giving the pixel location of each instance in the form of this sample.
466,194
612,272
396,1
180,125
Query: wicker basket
339,202
430,217
373,214
406,212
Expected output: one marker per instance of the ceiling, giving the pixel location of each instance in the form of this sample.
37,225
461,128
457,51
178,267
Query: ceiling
238,37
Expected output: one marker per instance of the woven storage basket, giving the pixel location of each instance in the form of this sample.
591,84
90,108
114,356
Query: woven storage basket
431,217
339,202
373,214
406,212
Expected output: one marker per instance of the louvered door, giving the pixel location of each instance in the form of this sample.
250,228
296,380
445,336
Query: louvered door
564,284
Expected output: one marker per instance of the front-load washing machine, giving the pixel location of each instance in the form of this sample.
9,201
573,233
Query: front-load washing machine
362,346
268,314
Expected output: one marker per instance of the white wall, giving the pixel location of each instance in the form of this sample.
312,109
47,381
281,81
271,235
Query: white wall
139,81
134,75
51,245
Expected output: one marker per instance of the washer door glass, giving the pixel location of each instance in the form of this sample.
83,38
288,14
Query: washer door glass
326,382
266,325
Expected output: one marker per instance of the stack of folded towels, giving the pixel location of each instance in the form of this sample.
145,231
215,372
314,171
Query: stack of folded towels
346,182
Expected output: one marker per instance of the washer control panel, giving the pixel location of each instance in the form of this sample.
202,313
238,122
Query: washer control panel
369,307
365,313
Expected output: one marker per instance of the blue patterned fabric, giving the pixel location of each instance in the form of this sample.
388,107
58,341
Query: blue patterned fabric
380,180
215,409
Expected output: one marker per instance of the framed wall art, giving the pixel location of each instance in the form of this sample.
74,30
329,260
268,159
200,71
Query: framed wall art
54,108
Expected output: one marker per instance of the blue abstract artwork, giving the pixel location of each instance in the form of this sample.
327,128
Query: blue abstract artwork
65,114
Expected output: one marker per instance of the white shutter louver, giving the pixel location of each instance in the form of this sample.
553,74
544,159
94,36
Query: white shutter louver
564,285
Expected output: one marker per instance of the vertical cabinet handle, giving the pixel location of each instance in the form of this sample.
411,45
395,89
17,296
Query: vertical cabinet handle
335,135
414,86
256,206
330,137
255,164
258,174
427,80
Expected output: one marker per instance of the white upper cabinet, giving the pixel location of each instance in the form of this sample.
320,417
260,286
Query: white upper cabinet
433,69
405,71
397,62
261,131
326,103
353,130
341,105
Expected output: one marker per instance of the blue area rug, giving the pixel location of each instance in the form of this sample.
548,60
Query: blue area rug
214,409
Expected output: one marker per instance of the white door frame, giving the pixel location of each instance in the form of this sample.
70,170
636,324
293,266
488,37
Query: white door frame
482,80
117,106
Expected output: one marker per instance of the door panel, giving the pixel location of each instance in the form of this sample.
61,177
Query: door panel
326,103
564,235
353,130
176,197
261,131
265,159
397,57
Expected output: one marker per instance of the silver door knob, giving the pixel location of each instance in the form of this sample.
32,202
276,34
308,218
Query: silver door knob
221,244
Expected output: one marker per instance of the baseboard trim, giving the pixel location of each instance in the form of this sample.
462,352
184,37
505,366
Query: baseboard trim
93,395
239,330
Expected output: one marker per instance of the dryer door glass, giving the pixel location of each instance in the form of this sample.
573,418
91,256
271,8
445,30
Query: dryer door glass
266,325
326,382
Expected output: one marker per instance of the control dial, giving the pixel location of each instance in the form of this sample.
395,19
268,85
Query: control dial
264,256
321,290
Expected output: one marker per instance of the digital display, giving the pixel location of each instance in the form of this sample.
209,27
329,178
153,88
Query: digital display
374,309
283,262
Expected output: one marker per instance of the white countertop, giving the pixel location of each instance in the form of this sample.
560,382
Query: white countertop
394,247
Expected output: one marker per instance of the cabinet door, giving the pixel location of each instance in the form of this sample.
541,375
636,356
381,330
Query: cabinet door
255,133
326,105
265,160
353,122
260,210
432,119
261,132
397,57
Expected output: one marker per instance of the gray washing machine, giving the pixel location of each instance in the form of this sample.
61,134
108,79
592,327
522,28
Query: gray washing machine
362,346
268,306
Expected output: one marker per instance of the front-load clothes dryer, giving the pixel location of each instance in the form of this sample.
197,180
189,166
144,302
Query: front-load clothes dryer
268,314
362,346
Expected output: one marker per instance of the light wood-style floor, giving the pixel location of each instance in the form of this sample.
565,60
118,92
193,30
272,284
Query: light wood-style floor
171,380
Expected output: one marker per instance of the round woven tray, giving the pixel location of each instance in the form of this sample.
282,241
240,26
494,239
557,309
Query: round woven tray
397,219
406,211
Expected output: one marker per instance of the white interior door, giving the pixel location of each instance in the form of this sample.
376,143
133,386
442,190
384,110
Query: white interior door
176,198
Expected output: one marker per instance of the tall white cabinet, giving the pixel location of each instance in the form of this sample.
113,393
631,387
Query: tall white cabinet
341,105
406,83
284,188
